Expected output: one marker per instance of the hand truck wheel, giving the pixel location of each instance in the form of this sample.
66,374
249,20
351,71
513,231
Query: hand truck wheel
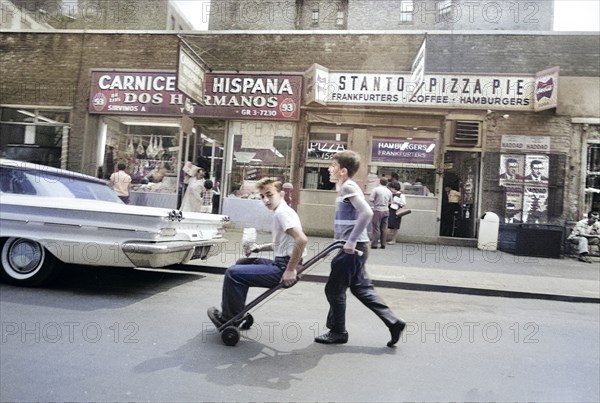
230,335
247,322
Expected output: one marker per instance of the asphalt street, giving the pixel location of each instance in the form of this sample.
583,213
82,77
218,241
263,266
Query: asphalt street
100,334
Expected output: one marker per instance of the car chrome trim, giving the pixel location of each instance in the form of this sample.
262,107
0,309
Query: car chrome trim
59,224
160,254
13,220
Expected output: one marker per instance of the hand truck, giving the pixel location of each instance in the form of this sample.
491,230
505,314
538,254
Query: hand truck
230,330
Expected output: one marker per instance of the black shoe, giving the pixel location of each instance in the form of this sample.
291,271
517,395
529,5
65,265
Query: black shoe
382,246
215,316
332,338
373,246
395,331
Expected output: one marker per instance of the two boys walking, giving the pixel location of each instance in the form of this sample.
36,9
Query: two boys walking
352,215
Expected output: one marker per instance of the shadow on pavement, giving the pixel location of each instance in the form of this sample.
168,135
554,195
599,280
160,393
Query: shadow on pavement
250,363
103,287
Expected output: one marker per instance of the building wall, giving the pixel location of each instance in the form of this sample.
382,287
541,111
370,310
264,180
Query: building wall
54,70
254,15
326,17
563,193
527,15
572,90
14,17
104,14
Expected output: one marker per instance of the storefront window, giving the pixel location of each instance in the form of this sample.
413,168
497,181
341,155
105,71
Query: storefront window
151,151
32,135
322,146
260,149
592,182
411,160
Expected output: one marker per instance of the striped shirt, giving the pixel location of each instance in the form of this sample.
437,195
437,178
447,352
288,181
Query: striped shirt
346,216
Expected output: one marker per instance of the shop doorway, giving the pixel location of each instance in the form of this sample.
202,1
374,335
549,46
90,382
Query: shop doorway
460,198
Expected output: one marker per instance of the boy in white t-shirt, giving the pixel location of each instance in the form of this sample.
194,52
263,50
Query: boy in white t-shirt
289,243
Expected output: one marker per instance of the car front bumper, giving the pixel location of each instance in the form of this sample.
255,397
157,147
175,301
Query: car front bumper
161,254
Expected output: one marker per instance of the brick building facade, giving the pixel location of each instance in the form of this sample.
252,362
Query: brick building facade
377,15
54,71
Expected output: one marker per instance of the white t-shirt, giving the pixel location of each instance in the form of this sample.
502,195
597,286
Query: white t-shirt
284,218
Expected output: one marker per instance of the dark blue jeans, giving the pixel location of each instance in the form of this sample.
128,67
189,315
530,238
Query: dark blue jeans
246,273
348,271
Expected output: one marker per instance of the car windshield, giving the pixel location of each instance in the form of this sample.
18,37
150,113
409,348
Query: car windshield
50,184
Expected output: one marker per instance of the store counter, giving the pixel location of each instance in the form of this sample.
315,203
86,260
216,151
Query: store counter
153,199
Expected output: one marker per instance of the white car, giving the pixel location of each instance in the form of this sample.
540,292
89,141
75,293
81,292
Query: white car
49,215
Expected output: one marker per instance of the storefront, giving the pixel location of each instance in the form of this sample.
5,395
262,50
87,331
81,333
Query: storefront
241,134
435,136
139,119
253,127
260,112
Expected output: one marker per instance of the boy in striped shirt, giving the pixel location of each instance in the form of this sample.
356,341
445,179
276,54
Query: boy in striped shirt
352,215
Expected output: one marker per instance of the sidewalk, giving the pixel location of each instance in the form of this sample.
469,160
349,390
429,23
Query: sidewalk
455,269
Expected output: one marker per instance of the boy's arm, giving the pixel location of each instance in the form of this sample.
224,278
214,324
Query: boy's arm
364,214
255,248
300,240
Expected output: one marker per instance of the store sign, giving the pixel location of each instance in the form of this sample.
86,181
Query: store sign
546,89
190,76
315,84
252,96
135,93
403,150
525,143
463,91
325,150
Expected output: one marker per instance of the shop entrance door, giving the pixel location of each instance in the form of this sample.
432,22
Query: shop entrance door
460,201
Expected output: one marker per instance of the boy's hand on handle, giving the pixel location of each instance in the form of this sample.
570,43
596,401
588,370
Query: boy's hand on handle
349,247
289,277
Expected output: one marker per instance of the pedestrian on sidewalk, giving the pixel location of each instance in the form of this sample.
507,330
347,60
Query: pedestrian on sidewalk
352,215
192,198
206,195
398,202
121,182
289,245
585,233
381,198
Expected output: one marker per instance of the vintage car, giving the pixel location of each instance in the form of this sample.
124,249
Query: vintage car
50,215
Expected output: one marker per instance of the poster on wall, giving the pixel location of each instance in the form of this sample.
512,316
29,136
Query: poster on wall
511,169
513,207
519,143
535,204
536,168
